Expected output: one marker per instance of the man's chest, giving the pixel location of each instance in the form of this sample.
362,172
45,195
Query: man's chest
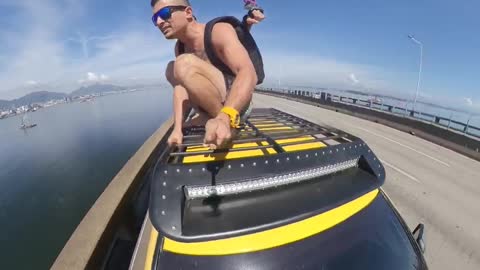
200,53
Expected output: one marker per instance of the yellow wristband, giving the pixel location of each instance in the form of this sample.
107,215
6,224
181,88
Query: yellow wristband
233,115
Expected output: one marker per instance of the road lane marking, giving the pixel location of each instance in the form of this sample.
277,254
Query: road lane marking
288,105
400,171
401,144
381,136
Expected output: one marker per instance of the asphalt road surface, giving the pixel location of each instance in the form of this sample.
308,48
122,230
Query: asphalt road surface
426,182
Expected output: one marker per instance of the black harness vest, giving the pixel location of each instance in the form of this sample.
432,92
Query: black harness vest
245,38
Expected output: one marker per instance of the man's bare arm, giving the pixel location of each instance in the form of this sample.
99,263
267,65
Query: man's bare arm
258,16
231,51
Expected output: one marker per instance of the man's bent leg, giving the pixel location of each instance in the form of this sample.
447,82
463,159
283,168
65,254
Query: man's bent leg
199,119
203,82
181,105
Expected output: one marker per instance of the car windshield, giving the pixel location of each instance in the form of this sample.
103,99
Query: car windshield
372,239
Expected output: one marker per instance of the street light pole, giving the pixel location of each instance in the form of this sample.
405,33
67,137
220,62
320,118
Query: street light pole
412,38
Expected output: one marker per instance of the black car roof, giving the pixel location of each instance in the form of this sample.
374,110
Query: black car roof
375,238
272,143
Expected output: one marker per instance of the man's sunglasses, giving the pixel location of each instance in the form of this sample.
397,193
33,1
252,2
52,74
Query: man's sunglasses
166,13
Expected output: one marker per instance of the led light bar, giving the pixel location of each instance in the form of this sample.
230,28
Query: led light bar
266,182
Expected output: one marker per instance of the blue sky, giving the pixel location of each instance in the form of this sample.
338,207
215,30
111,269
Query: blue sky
362,45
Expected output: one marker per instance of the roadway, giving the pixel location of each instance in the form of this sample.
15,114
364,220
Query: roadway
427,183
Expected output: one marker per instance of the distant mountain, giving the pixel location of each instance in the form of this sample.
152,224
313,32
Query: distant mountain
96,89
45,96
4,104
35,97
38,97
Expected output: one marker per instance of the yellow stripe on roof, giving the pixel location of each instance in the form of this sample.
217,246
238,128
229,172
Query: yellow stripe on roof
297,139
270,125
276,128
304,146
264,122
300,146
275,237
254,120
252,153
228,155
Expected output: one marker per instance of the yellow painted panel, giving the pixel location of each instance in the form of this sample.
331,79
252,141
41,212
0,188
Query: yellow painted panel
276,128
198,148
192,149
275,237
270,125
231,155
261,119
257,121
304,146
152,243
297,139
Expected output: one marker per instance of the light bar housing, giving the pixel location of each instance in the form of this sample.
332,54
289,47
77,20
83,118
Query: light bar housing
261,183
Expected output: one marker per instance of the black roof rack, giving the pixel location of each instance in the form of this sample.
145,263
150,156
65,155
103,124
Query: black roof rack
322,168
288,126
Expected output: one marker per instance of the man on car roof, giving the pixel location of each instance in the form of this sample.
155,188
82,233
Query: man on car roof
216,68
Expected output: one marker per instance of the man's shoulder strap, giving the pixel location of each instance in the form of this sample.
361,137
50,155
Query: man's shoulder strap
245,38
227,19
237,25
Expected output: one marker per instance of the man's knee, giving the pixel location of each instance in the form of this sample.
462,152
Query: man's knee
184,67
169,73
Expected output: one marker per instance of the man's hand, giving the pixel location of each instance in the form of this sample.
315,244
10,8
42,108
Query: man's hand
175,138
258,16
217,132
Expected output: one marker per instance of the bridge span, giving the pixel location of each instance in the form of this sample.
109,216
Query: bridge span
427,183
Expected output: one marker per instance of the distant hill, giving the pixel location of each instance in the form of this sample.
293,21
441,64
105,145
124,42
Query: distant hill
96,89
38,97
4,104
45,96
35,97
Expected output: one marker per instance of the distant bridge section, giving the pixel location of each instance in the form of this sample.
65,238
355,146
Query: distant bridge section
455,135
426,182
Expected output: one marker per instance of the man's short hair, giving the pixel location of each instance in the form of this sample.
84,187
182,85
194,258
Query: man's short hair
178,2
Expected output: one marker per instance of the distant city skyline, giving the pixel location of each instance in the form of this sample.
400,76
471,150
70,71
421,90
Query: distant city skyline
359,45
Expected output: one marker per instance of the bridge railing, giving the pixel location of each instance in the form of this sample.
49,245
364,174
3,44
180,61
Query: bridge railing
448,123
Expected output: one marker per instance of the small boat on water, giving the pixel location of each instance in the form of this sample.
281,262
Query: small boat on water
26,123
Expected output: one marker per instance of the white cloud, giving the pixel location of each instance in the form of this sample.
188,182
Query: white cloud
469,101
31,82
293,69
93,77
43,52
353,78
